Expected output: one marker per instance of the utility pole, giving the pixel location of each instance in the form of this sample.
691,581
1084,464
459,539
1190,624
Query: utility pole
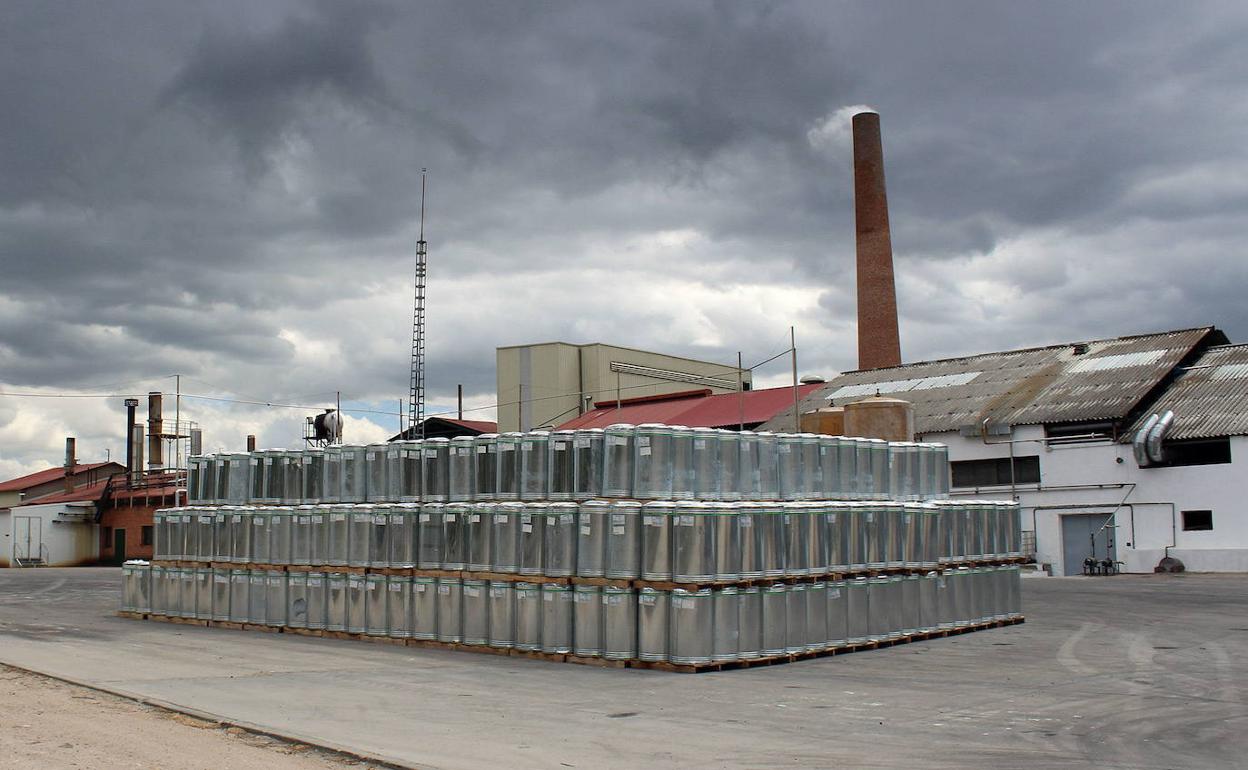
793,350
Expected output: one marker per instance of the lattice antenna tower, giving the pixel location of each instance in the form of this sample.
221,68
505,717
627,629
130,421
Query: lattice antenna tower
416,389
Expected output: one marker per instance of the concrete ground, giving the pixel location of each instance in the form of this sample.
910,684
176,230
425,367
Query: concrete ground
1126,672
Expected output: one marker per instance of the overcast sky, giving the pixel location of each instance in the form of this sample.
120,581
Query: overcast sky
230,190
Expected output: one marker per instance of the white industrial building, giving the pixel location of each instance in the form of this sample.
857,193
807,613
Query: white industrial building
1052,428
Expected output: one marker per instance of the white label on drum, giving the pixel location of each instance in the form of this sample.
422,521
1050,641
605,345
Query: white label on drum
448,517
581,442
481,449
424,518
526,528
337,517
617,530
506,447
644,451
258,521
647,599
474,518
566,517
684,521
379,518
500,518
472,592
745,520
834,593
617,518
444,590
699,443
396,587
548,596
587,529
653,521
561,446
317,518
525,446
616,440
431,453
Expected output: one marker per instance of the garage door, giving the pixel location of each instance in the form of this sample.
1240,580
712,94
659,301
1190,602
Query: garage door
1083,535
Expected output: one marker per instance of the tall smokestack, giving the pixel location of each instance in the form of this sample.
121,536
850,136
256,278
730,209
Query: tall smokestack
155,429
71,462
879,343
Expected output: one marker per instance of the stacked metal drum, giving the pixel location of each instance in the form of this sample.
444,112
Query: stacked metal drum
650,543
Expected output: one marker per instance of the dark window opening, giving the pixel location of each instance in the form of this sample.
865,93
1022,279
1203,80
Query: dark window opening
108,538
1197,521
996,472
1203,452
1075,432
145,536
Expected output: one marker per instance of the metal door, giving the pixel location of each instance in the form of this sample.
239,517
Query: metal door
27,537
119,546
1084,535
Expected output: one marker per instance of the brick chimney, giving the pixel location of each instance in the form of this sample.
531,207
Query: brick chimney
71,463
879,343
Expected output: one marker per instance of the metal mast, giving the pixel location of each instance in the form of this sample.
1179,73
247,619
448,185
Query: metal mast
416,391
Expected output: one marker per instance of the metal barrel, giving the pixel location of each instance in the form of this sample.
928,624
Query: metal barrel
335,601
485,460
1014,605
945,609
623,540
876,532
357,607
617,460
435,470
750,623
312,461
528,617
376,469
562,465
354,475
399,606
795,516
203,593
378,537
454,540
705,474
401,535
788,466
318,599
424,608
301,535
240,534
726,532
809,466
816,538
587,621
376,613
318,536
855,535
619,623
836,527
727,620
480,529
775,621
911,603
747,465
190,535
260,531
532,535
450,610
877,452
896,607
837,614
691,621
829,473
280,524
879,607
750,522
795,618
205,522
768,466
559,540
429,542
275,602
502,631
240,594
395,471
682,463
507,480
587,462
693,544
816,616
534,456
591,538
728,445
258,597
929,606
505,537
476,612
413,479
847,468
331,475
556,618
857,611
359,526
337,535
652,624
652,462
461,469
297,599
220,594
223,540
656,540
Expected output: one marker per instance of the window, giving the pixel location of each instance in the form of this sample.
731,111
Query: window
1197,521
1204,452
145,536
995,472
108,538
1078,432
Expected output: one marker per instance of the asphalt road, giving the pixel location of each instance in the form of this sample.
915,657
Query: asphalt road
1122,672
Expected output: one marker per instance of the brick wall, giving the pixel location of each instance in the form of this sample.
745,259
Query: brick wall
132,519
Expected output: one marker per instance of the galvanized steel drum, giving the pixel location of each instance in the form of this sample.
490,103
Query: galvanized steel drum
652,462
816,616
728,447
476,611
747,465
502,615
896,553
768,471
424,608
623,540
399,606
810,467
205,522
238,478
788,466
335,601
359,534
275,602
534,459
559,540
896,607
682,463
591,538
838,614
331,475
377,469
297,599
357,606
318,600
795,615
797,525
485,458
556,618
260,530
407,475
354,475
454,536
727,620
692,626
223,542
313,463
401,535
775,619
837,517
693,543
727,536
435,470
532,535
507,481
847,468
652,624
772,539
258,597
528,617
705,474
280,526
911,603
588,448
617,462
203,593
505,538
220,593
160,534
376,614
562,465
750,523
293,483
816,538
480,541
857,611
829,471
874,535
879,609
656,540
462,468
619,623
450,610
877,454
429,537
750,623
138,586
240,594
337,535
587,621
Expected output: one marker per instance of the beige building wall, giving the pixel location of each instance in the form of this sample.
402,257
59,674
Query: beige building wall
546,384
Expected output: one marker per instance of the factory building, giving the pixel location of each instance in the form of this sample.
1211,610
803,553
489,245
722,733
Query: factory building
1053,428
546,384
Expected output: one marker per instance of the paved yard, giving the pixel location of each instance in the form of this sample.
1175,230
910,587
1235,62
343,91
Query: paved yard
1130,672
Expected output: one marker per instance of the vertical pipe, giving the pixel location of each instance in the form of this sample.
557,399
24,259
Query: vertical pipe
251,443
617,391
71,462
520,409
879,343
131,405
177,422
740,394
155,429
336,436
459,389
793,350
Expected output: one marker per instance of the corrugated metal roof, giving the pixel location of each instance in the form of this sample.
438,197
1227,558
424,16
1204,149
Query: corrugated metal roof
1075,382
695,410
1209,399
43,477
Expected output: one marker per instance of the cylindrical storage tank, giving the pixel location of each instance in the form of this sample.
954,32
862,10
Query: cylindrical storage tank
623,540
435,470
528,617
705,473
795,518
354,475
836,516
895,554
318,534
561,466
656,540
693,543
275,609
877,459
376,615
479,530
727,620
556,618
337,535
771,539
312,462
507,480
462,467
410,471
505,537
429,542
768,468
912,520
946,606
258,597
162,534
879,608
727,536
857,611
399,606
476,611
534,459
875,535
788,466
502,631
929,535
750,522
652,462
837,601
206,545
297,599
559,540
587,463
240,534
292,476
587,621
775,619
591,538
195,479
216,480
682,463
220,593
485,461
653,608
335,600
617,460
424,608
692,626
331,475
401,535
929,603
747,465
750,623
190,534
454,537
240,594
816,616
450,610
357,607
795,617
203,593
377,470
619,623
189,592
260,531
728,464
532,535
318,600
222,534
359,533
280,526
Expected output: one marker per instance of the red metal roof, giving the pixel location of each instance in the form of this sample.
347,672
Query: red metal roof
90,493
696,409
483,426
43,477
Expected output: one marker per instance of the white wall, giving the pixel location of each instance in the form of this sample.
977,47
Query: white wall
1097,477
65,544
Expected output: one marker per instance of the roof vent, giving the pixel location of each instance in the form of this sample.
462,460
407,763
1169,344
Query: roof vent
812,379
1079,348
